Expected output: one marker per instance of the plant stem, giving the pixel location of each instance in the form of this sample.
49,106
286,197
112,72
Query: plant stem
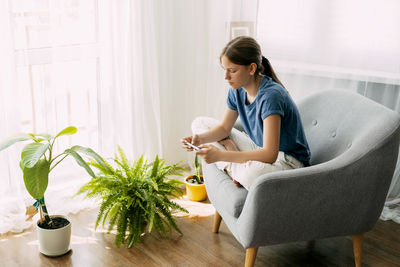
56,157
58,161
43,213
50,150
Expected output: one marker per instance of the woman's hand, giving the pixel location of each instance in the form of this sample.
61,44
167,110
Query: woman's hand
194,140
209,153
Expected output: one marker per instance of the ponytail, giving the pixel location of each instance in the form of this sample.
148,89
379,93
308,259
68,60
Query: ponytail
269,71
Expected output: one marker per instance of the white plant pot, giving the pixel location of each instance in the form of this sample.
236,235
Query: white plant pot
54,242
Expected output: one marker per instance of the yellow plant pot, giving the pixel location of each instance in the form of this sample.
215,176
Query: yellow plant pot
195,192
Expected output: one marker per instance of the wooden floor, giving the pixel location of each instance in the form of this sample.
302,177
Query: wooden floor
197,247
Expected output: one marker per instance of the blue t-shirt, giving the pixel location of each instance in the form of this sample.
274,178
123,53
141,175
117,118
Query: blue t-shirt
272,98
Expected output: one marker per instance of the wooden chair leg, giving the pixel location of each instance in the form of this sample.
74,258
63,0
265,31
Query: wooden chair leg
357,249
217,222
251,254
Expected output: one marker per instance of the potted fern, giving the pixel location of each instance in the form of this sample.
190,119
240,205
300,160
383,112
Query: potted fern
37,161
135,197
195,188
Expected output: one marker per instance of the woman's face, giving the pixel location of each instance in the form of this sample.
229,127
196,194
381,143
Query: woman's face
238,76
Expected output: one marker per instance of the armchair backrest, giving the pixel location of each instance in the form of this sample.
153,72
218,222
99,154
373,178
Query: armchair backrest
338,122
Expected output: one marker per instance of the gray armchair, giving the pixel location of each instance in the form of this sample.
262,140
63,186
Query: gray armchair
354,144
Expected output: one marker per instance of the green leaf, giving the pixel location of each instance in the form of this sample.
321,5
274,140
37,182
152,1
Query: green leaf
36,178
35,139
155,167
131,240
154,183
91,153
124,160
45,135
197,165
67,131
31,153
114,210
13,139
80,161
152,208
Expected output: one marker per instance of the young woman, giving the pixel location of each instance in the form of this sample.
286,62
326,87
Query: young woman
274,138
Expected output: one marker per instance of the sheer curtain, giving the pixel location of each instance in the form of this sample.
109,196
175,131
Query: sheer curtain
12,211
91,64
353,45
129,91
48,82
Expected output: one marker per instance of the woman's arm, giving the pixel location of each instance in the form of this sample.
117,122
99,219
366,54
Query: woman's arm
267,154
222,130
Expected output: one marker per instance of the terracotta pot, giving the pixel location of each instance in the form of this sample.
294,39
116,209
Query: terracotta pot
195,192
54,242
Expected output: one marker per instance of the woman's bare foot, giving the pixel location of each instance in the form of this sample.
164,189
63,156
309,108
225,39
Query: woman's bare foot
236,183
228,144
233,180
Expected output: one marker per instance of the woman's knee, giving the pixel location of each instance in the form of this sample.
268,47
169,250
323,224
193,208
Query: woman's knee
203,124
247,173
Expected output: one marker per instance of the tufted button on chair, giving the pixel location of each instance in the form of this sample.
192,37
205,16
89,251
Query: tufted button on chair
354,144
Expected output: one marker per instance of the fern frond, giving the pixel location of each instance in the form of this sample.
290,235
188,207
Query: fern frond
121,227
159,224
171,220
151,207
124,160
104,207
154,169
114,215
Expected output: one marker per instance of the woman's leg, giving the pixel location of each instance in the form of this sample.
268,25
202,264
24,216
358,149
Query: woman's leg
247,173
244,173
230,146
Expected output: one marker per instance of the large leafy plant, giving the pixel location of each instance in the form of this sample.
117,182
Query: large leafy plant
38,160
135,197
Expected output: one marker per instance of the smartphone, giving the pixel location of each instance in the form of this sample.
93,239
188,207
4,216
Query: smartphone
193,146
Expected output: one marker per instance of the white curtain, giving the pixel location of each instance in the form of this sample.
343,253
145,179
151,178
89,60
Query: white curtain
12,212
47,83
91,64
129,98
354,45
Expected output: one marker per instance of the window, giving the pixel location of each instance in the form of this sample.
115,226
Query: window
57,58
357,38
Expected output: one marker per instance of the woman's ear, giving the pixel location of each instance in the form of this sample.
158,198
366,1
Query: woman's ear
253,68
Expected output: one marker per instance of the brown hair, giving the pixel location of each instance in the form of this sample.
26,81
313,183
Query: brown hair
244,50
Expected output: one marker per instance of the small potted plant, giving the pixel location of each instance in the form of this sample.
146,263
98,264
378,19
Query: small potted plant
135,197
195,188
37,161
